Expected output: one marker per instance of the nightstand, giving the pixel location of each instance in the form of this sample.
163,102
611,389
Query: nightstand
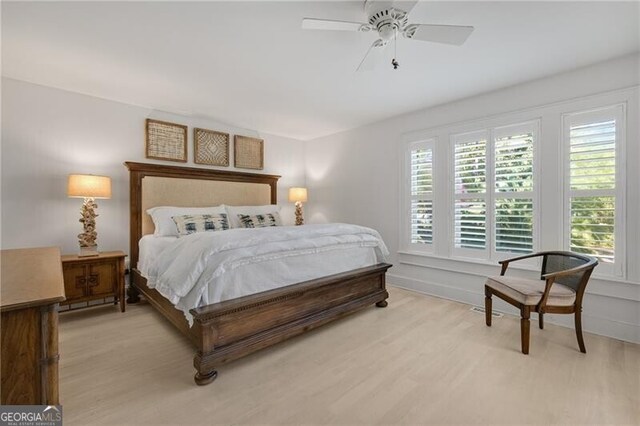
94,277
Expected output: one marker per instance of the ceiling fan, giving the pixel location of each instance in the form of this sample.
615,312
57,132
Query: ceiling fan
390,18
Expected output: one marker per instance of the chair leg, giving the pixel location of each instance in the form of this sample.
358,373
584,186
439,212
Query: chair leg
541,320
487,306
524,329
579,330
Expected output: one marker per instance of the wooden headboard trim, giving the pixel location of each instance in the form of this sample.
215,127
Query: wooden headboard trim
137,171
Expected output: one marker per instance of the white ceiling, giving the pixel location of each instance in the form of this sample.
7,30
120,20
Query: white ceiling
250,65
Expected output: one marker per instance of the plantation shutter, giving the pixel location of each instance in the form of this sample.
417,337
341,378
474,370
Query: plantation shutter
513,184
470,197
421,176
592,151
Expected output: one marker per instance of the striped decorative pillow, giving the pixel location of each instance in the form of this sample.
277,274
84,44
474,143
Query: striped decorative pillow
192,223
259,220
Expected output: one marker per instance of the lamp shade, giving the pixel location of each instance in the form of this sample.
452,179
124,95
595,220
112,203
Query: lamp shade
297,194
89,186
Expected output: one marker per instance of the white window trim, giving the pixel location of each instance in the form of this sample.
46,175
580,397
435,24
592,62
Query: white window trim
617,111
405,209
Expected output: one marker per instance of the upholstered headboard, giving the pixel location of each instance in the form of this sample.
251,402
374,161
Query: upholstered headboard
153,185
168,191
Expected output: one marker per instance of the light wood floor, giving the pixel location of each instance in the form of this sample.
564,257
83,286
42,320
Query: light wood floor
420,360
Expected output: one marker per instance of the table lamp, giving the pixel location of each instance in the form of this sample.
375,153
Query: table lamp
298,196
88,187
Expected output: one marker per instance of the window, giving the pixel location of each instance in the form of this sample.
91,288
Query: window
470,174
494,198
593,182
420,200
513,188
503,191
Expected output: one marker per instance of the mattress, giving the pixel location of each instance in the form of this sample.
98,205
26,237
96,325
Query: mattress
199,270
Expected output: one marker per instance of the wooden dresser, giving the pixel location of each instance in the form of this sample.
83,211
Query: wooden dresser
32,287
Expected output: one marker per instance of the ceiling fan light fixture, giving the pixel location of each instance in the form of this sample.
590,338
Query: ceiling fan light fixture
388,31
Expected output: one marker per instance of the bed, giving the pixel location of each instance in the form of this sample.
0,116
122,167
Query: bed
230,329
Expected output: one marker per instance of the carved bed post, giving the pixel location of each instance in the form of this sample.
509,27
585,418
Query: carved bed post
206,333
135,229
383,284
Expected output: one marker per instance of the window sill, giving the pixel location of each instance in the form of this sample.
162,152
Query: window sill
516,265
468,260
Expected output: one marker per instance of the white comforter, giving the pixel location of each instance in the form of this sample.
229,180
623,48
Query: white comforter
197,269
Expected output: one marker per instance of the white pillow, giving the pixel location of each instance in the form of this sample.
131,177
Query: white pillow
163,217
234,211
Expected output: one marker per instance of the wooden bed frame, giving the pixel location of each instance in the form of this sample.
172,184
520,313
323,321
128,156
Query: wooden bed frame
228,330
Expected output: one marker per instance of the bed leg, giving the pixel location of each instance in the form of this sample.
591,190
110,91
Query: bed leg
202,379
133,295
382,304
205,374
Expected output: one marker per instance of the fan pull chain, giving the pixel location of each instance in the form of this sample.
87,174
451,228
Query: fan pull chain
394,62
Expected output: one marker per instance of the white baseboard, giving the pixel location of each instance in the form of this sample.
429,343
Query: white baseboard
621,330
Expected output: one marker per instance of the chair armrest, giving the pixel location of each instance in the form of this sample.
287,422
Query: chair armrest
571,271
513,259
505,263
551,277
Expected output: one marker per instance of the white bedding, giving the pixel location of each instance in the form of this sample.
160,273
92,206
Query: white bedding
210,267
150,247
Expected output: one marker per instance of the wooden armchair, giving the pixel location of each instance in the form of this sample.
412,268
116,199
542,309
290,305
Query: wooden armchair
564,277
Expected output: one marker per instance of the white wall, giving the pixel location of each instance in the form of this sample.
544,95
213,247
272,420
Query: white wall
49,133
355,176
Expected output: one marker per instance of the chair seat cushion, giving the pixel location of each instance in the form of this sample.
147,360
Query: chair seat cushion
529,292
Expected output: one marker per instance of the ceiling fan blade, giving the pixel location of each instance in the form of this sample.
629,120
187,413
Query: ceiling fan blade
373,57
405,5
330,24
448,34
